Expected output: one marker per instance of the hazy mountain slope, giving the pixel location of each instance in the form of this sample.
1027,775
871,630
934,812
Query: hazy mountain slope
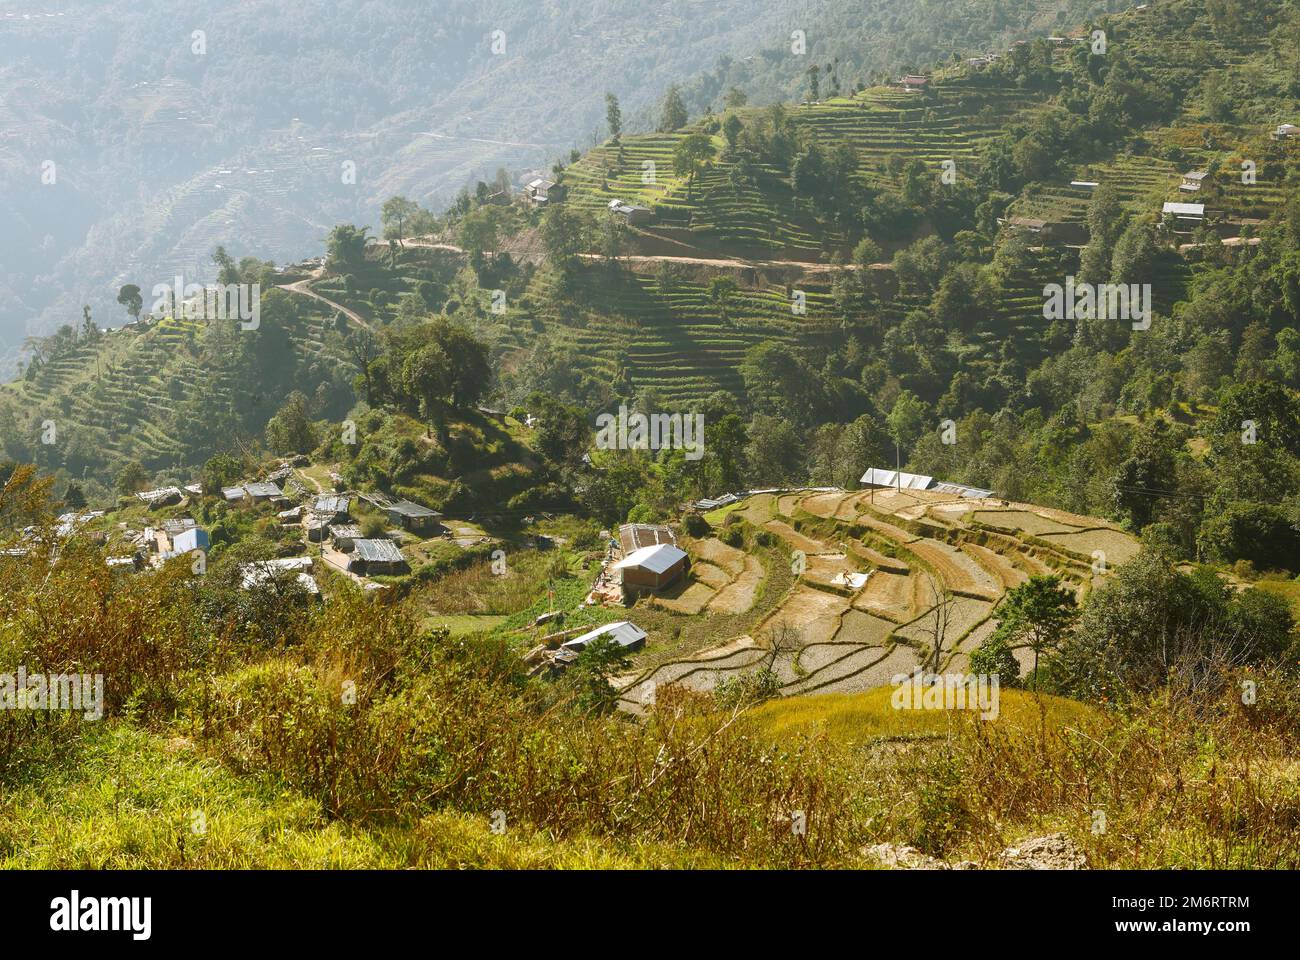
161,153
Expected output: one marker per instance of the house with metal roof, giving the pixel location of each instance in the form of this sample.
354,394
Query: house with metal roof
343,536
632,213
262,491
899,480
411,516
191,539
162,497
1188,212
278,570
370,557
332,505
653,567
623,632
542,191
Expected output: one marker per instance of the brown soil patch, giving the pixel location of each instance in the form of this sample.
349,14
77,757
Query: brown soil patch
739,596
719,554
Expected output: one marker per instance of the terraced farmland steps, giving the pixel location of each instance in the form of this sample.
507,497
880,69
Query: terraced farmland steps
935,564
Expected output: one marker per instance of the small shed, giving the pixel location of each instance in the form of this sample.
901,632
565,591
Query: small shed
652,567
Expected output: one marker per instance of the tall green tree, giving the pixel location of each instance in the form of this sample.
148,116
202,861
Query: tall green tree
691,155
613,117
673,113
129,297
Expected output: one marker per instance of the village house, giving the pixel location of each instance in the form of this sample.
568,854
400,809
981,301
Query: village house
343,536
411,516
263,491
1286,131
913,82
73,523
622,633
1186,216
652,568
189,540
1046,232
371,557
262,571
634,215
331,505
1028,225
316,528
900,480
1192,181
542,191
162,497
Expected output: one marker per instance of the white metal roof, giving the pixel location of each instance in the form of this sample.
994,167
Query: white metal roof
1184,209
623,632
656,559
894,478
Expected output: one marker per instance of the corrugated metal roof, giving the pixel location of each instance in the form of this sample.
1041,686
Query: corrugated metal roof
657,559
623,632
331,504
162,493
1184,209
408,508
195,538
378,551
961,490
263,489
894,478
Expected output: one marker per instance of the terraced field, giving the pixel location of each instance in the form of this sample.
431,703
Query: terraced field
124,396
933,564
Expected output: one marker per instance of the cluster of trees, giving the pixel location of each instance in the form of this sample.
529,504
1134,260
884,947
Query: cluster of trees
431,370
1148,626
